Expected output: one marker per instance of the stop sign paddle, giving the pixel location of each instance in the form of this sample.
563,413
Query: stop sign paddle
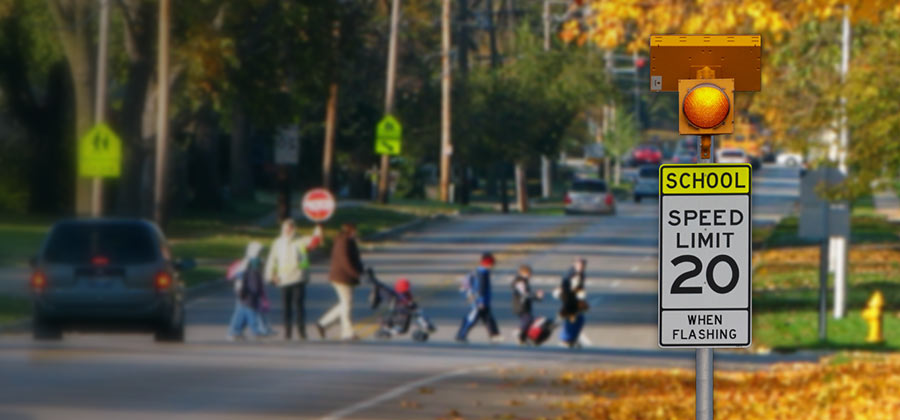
318,205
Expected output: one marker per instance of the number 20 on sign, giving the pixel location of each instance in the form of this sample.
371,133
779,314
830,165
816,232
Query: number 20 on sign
704,256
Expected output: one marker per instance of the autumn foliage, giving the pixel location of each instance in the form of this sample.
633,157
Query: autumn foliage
611,23
866,387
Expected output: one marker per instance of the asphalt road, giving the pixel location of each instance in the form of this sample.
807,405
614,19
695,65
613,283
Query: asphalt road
130,376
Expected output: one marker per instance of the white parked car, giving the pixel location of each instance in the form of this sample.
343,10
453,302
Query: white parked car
732,156
589,196
789,159
646,184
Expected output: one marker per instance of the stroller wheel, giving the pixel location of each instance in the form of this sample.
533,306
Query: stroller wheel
420,336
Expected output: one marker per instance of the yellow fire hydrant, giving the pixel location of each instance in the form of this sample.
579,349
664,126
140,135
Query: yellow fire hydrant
873,315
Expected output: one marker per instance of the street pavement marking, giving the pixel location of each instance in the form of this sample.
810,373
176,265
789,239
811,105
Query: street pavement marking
634,268
398,391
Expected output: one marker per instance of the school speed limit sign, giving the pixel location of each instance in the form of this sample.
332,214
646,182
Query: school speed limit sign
704,256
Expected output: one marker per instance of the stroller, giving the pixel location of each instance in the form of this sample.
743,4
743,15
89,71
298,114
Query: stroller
402,311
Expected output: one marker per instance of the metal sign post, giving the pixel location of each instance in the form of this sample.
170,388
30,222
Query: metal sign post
704,365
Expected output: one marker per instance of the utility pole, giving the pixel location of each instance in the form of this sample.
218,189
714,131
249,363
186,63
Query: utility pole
331,110
446,146
162,115
839,244
546,185
100,101
389,96
462,50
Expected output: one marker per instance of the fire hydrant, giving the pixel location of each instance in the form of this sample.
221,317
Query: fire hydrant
873,315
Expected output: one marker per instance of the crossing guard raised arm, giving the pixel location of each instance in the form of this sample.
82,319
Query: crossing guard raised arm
705,298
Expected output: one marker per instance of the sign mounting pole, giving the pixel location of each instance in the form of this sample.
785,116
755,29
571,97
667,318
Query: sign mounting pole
704,366
100,101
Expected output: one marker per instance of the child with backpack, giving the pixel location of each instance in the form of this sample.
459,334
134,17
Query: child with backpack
522,301
249,288
572,296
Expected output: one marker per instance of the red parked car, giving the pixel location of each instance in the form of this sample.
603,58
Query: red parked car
646,154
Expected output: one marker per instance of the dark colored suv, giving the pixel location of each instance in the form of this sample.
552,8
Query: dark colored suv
107,274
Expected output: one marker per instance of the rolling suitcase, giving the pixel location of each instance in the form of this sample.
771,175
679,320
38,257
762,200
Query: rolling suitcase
541,329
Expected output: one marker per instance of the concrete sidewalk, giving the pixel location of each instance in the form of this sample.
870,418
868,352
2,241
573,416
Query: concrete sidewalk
887,204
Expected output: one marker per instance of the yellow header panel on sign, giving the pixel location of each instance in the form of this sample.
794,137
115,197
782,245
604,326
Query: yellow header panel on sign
705,179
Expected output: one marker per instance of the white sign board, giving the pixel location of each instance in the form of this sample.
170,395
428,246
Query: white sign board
287,146
705,238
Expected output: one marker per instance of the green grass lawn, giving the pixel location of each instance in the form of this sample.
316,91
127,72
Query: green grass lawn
223,239
13,308
202,274
786,302
20,238
798,329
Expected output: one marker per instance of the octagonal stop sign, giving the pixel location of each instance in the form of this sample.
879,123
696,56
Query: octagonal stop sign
318,205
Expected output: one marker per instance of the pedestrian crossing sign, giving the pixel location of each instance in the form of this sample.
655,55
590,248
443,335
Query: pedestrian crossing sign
388,136
100,153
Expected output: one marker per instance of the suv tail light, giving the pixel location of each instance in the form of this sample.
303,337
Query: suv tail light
567,199
162,281
609,199
38,281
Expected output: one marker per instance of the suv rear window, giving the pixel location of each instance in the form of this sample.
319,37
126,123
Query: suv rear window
589,186
119,243
649,173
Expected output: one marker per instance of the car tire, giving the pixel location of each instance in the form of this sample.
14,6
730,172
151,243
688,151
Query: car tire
168,333
637,198
45,330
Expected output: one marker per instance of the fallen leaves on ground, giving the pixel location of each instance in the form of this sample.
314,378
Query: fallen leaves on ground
859,389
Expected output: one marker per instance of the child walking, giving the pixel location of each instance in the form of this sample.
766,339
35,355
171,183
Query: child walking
250,293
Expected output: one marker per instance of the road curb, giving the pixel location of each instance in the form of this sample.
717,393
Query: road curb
397,231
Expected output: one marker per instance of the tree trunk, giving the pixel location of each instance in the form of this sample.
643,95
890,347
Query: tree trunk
47,160
504,195
330,128
74,21
204,169
607,168
241,170
618,172
283,204
134,120
521,188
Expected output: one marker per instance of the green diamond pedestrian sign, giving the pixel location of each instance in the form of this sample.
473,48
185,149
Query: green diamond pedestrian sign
388,136
100,153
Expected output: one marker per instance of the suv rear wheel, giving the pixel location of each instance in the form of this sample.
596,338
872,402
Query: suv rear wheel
170,334
45,330
171,330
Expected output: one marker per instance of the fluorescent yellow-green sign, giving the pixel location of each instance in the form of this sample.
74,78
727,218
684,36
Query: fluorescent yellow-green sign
705,179
388,136
100,153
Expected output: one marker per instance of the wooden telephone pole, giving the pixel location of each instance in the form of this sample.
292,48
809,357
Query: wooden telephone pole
162,115
100,101
389,97
446,146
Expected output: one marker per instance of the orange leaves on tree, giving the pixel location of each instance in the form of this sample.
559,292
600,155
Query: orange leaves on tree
611,23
